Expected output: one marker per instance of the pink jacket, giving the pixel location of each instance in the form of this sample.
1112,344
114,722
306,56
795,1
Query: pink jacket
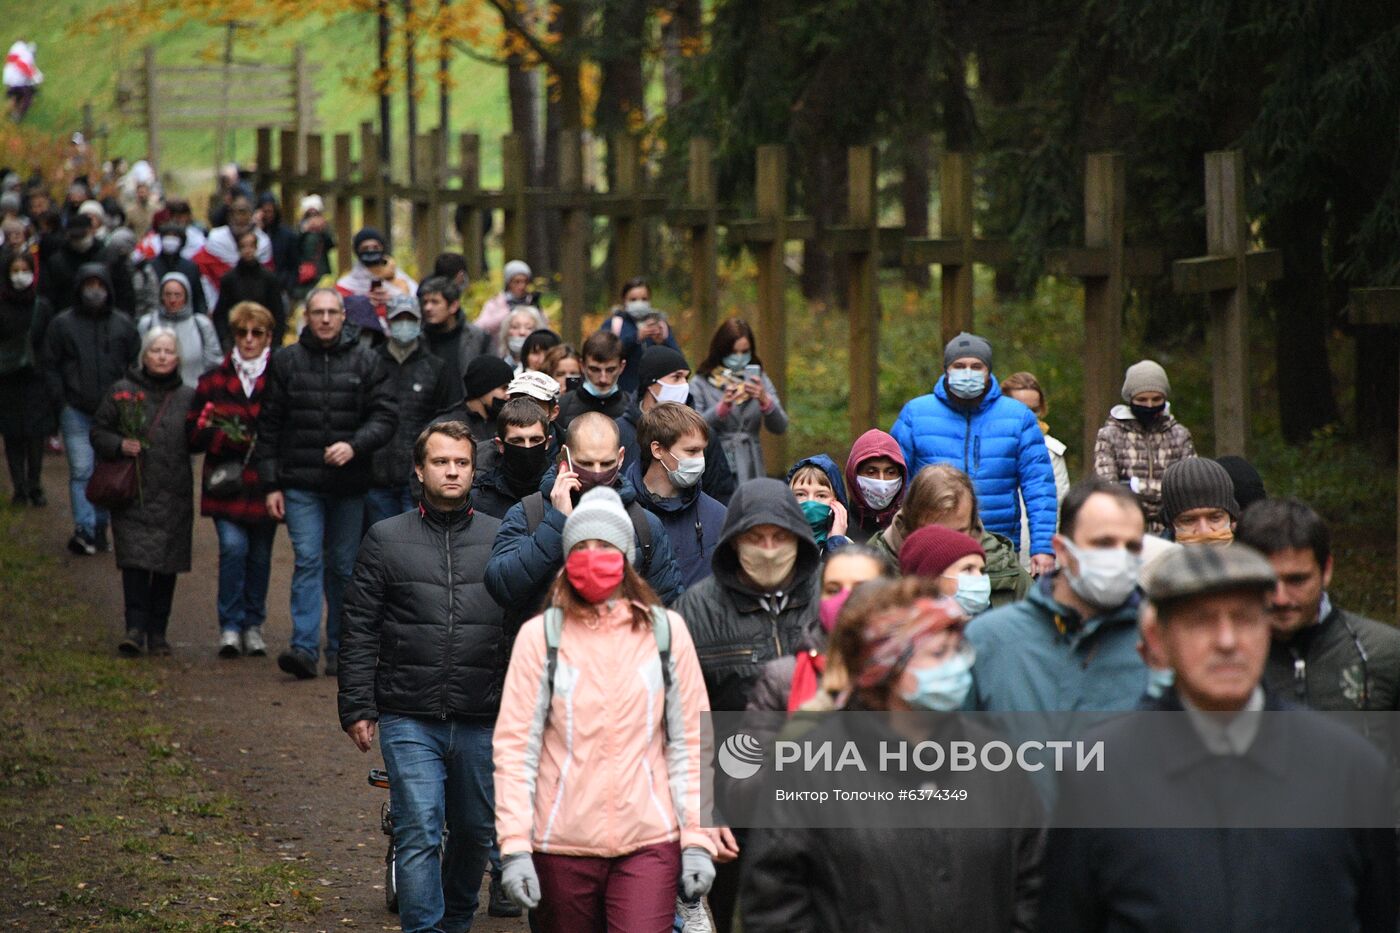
597,777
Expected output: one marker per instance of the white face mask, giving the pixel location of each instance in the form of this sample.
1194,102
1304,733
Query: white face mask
688,471
878,493
1107,575
515,344
665,392
169,244
21,280
639,309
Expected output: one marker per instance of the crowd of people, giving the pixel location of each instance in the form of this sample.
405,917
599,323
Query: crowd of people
533,566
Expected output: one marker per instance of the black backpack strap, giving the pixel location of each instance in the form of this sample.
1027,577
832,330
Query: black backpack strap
534,511
643,531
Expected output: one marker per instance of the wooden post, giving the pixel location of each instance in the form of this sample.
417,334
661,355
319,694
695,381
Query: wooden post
1224,276
1379,307
370,209
290,167
627,218
424,249
771,203
152,105
513,187
704,289
315,170
301,101
573,245
264,157
470,144
955,220
344,256
862,303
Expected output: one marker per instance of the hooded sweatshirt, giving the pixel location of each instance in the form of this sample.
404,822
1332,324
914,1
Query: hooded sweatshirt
85,349
832,472
864,520
736,626
200,350
693,521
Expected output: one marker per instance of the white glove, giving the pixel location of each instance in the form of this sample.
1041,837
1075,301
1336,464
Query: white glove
522,884
697,872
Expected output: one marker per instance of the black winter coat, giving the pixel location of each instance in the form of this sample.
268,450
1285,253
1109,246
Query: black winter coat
734,625
420,390
153,533
492,495
86,351
257,284
420,635
457,348
579,402
318,396
58,276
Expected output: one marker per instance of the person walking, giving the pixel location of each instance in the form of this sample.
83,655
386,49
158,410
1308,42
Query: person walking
522,458
199,343
222,424
955,561
598,775
419,386
423,660
1141,438
737,399
601,390
640,327
88,347
1198,503
169,259
314,243
876,480
220,251
519,324
968,422
1026,389
448,334
26,411
329,407
516,278
483,396
249,280
152,534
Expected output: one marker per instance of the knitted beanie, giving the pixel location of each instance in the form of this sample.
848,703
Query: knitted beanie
966,344
930,550
659,361
1145,376
600,516
1197,483
485,373
513,268
368,233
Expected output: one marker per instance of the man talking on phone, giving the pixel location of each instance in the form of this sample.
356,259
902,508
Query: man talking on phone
529,549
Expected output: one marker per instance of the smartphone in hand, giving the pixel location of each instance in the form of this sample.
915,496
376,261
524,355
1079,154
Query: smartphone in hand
568,458
753,373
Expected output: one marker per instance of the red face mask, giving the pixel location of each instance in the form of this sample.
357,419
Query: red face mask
595,574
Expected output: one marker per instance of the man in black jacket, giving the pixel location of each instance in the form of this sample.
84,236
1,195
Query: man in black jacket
250,280
424,658
448,334
87,348
329,406
600,392
522,458
420,391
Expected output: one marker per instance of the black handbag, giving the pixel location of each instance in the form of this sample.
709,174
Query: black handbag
225,480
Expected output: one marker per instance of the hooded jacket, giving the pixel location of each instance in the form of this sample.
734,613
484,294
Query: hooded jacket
420,391
998,444
864,520
718,479
832,472
318,396
693,522
1126,452
200,351
1026,663
738,628
87,350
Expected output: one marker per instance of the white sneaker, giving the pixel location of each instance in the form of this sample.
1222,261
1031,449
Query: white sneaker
253,644
694,919
228,643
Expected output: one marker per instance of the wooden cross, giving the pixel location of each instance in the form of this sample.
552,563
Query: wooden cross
957,249
1104,264
1224,276
1379,307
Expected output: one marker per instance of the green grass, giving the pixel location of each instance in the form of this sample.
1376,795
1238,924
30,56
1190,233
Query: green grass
105,821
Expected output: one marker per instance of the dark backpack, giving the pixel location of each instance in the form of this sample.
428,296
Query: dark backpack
534,514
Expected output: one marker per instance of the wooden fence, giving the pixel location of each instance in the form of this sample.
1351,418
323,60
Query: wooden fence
1104,262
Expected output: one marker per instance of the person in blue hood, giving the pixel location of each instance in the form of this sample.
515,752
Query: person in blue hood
967,421
821,494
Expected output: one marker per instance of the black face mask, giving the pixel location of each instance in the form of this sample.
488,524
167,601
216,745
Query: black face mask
371,257
493,411
523,467
248,263
1146,414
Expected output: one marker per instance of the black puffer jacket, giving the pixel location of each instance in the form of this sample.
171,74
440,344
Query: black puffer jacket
420,390
421,636
733,624
318,396
85,351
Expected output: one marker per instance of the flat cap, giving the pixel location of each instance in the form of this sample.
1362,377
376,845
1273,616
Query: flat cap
1197,571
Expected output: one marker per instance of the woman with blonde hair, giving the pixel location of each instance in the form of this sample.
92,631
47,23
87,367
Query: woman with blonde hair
1026,389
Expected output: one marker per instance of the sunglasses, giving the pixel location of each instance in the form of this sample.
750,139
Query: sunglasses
241,332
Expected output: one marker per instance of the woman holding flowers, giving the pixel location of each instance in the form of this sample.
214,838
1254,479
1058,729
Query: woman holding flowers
142,416
220,421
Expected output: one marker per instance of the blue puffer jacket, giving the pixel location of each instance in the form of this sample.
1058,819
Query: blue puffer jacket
692,521
999,445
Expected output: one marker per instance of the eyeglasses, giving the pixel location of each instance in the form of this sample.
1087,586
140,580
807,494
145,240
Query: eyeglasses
241,332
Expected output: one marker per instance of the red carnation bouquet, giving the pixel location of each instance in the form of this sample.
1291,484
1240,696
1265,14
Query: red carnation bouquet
131,422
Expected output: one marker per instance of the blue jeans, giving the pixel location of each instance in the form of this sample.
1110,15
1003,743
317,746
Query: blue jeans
77,444
245,564
325,532
383,502
440,773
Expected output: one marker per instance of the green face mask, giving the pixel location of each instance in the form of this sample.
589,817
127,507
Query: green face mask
819,517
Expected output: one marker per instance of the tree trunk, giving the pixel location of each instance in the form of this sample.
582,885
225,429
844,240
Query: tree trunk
521,88
823,167
681,38
916,160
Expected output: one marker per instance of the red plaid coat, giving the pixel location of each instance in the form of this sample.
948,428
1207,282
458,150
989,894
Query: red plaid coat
220,395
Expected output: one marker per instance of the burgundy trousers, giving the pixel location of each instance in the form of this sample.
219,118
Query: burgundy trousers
634,893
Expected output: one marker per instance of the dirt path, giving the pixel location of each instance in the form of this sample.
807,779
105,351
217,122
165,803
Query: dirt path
254,730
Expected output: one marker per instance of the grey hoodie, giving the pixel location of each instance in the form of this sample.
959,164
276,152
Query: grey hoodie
199,342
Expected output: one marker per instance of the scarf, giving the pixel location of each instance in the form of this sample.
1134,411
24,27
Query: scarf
806,677
249,370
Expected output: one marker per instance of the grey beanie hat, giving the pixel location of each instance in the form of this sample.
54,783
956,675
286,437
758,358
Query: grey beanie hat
966,344
600,516
1145,376
1197,483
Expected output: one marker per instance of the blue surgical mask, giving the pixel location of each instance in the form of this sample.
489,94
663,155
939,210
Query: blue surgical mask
1159,681
404,332
944,687
966,383
737,361
819,516
596,392
974,593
